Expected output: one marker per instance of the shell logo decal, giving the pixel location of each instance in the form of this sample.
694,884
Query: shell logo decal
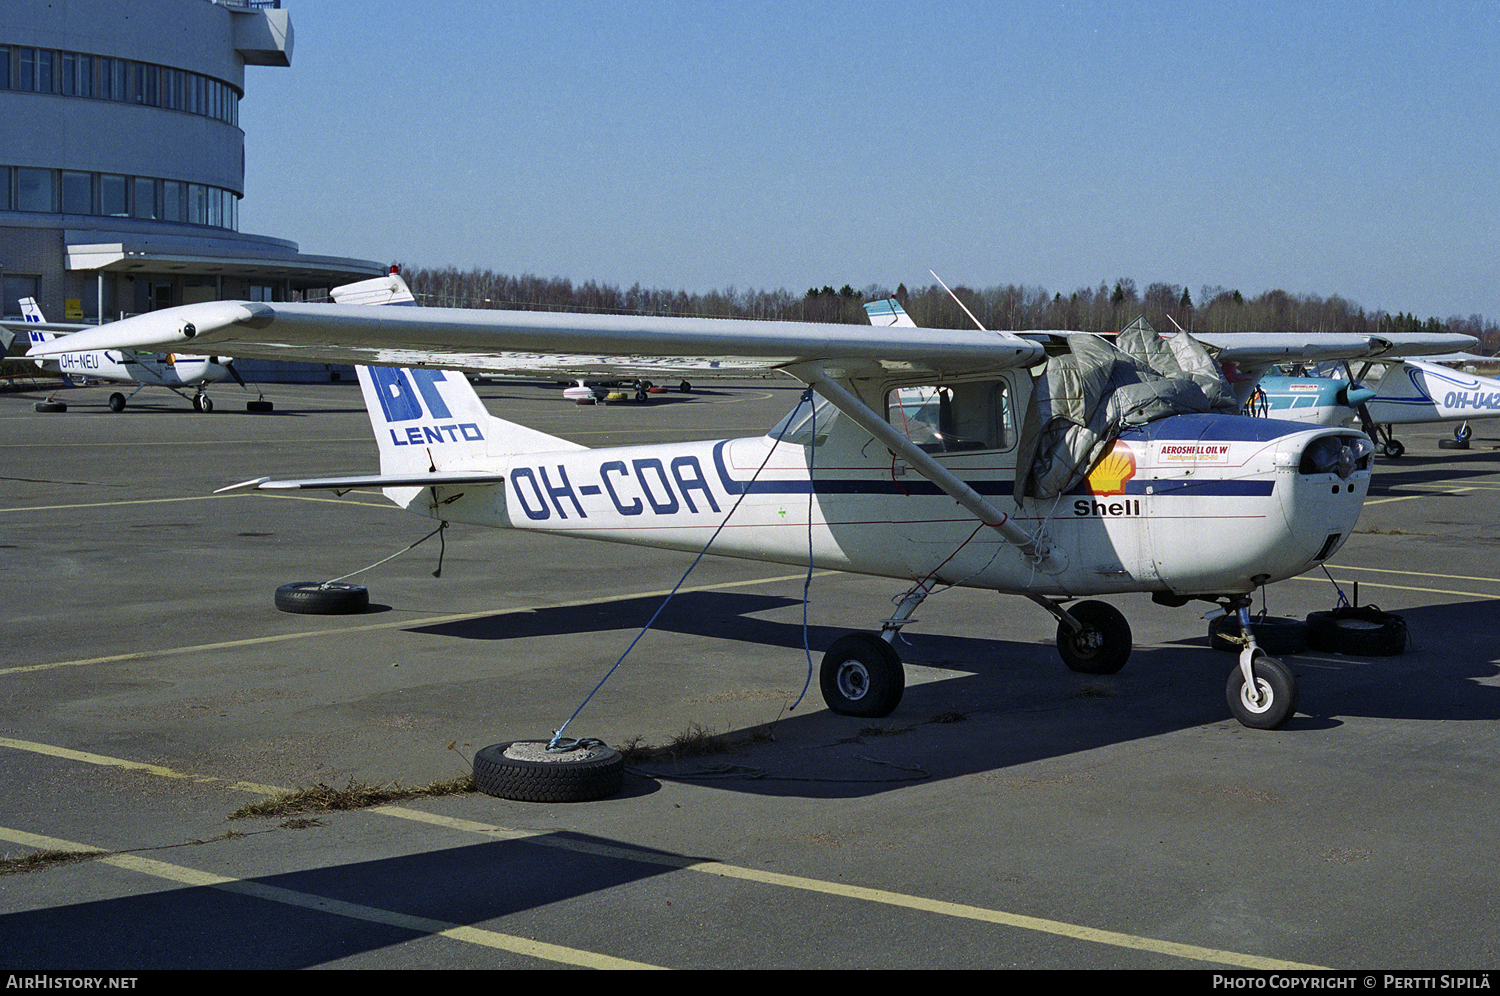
1110,474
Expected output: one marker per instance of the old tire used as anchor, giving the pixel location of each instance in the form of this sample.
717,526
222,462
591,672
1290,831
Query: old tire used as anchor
862,676
322,598
525,771
1102,646
1363,632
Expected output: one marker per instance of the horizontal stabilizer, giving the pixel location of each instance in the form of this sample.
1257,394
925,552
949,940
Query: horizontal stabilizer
369,481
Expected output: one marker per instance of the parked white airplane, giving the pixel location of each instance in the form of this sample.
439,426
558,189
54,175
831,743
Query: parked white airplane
1410,392
173,371
896,464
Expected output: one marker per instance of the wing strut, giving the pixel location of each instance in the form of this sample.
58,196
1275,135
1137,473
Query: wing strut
1047,558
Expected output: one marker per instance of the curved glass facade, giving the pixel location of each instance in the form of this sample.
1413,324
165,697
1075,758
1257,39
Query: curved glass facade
114,195
99,77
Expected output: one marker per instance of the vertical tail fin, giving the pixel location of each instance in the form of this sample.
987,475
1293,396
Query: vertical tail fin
426,419
31,312
888,313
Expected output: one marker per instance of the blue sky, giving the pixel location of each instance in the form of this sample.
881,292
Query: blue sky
1322,148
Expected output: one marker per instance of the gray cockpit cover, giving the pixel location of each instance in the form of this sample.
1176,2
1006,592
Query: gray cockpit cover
1082,401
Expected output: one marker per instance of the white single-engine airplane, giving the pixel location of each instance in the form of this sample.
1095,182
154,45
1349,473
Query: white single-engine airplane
173,371
902,461
1410,392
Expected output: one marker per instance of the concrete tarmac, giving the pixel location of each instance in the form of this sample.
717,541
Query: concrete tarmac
1009,814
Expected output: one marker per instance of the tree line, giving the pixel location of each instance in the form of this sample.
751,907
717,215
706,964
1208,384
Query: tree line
1107,307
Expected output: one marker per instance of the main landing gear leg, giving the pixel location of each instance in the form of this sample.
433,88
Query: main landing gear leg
1262,691
862,673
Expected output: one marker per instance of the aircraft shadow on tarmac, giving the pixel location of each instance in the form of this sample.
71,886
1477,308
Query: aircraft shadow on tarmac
1018,702
224,928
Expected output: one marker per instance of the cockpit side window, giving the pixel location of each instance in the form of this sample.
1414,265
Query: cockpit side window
954,418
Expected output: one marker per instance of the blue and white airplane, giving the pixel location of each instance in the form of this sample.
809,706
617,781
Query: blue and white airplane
1411,392
173,371
900,462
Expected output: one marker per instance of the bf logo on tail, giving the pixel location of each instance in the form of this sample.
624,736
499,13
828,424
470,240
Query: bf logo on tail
397,399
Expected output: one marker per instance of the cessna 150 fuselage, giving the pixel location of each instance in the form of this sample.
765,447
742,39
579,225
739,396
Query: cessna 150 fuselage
900,462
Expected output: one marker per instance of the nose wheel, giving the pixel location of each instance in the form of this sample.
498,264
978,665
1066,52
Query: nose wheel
1268,701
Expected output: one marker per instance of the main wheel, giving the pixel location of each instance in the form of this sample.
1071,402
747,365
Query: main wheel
207,405
862,676
1102,647
1276,698
685,387
1463,432
117,402
322,599
1394,449
524,771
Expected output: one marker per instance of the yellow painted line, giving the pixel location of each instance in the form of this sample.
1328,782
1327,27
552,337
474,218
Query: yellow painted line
356,911
882,897
1416,574
164,501
1424,494
395,624
1397,587
551,839
104,504
116,762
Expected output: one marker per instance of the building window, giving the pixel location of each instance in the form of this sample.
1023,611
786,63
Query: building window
34,191
77,193
143,204
112,196
77,74
173,201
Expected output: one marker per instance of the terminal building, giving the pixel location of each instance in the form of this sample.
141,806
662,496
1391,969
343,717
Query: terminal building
122,162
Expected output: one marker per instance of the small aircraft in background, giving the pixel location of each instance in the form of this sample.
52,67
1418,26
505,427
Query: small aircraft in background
896,463
1410,392
173,371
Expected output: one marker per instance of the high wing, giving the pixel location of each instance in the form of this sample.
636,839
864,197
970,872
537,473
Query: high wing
545,344
1252,351
1256,348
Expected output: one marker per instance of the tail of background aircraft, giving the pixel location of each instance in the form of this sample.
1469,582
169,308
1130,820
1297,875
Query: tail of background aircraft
31,312
888,313
428,420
